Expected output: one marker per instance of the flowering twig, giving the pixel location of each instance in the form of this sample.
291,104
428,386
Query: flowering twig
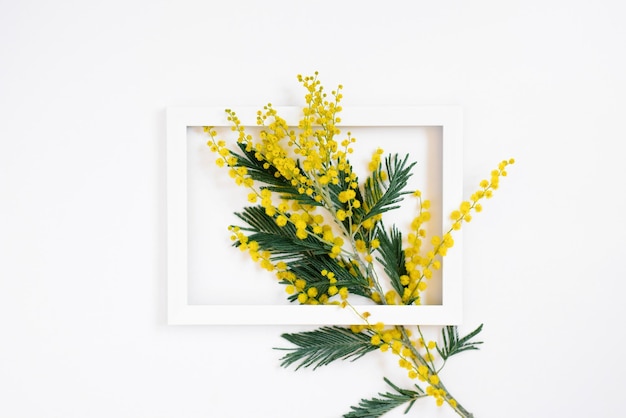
321,232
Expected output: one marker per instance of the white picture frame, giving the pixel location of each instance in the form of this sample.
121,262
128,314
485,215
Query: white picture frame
181,312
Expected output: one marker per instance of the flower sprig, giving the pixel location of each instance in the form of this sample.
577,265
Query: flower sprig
320,230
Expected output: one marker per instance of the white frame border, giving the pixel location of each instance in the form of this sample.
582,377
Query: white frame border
180,312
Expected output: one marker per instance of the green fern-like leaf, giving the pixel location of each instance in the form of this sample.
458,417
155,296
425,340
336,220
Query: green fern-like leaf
306,258
391,255
309,268
327,344
376,407
282,242
259,173
452,344
384,195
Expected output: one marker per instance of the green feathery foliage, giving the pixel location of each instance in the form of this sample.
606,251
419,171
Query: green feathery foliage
279,184
453,345
309,268
282,242
391,255
376,407
385,195
324,345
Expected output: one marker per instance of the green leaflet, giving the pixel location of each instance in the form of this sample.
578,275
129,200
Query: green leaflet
305,258
453,345
392,256
282,242
266,175
376,407
324,345
309,268
384,195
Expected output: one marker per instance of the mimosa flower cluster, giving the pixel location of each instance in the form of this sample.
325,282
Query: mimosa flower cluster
320,230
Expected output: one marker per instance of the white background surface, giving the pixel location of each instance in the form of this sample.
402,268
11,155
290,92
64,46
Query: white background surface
83,88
